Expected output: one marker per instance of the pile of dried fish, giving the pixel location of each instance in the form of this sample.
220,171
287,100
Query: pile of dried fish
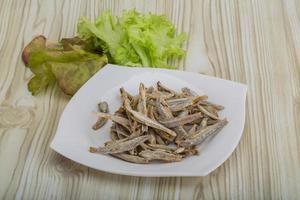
158,124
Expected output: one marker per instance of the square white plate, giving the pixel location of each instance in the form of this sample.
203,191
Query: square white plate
74,134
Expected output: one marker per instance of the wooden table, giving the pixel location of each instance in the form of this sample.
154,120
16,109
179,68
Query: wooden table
254,42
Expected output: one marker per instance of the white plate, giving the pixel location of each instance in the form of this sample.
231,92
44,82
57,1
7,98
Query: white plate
74,133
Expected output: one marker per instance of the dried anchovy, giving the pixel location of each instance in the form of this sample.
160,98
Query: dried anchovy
182,103
165,147
149,122
179,121
156,95
160,155
118,140
142,106
120,147
102,107
163,110
162,87
188,92
167,137
203,134
117,119
166,114
212,110
216,106
206,112
179,150
150,147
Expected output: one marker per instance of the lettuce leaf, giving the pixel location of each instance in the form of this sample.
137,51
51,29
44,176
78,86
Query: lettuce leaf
134,39
68,63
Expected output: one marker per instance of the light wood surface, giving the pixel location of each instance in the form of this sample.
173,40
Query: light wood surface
254,42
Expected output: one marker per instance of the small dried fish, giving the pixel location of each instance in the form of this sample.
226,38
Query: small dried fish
179,130
160,155
124,93
216,106
162,134
142,106
198,99
118,140
117,119
188,92
179,121
163,110
126,100
179,150
102,107
165,136
149,122
207,113
166,114
212,110
203,134
181,103
172,102
157,94
131,158
148,147
165,147
161,87
120,147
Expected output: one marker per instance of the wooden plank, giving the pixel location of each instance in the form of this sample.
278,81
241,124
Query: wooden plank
253,42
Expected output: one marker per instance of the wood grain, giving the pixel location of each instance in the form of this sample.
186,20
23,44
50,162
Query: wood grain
254,42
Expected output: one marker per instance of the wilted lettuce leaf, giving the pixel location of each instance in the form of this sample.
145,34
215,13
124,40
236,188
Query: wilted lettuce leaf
135,39
68,63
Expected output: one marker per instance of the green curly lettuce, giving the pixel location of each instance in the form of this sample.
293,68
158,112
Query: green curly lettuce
134,39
